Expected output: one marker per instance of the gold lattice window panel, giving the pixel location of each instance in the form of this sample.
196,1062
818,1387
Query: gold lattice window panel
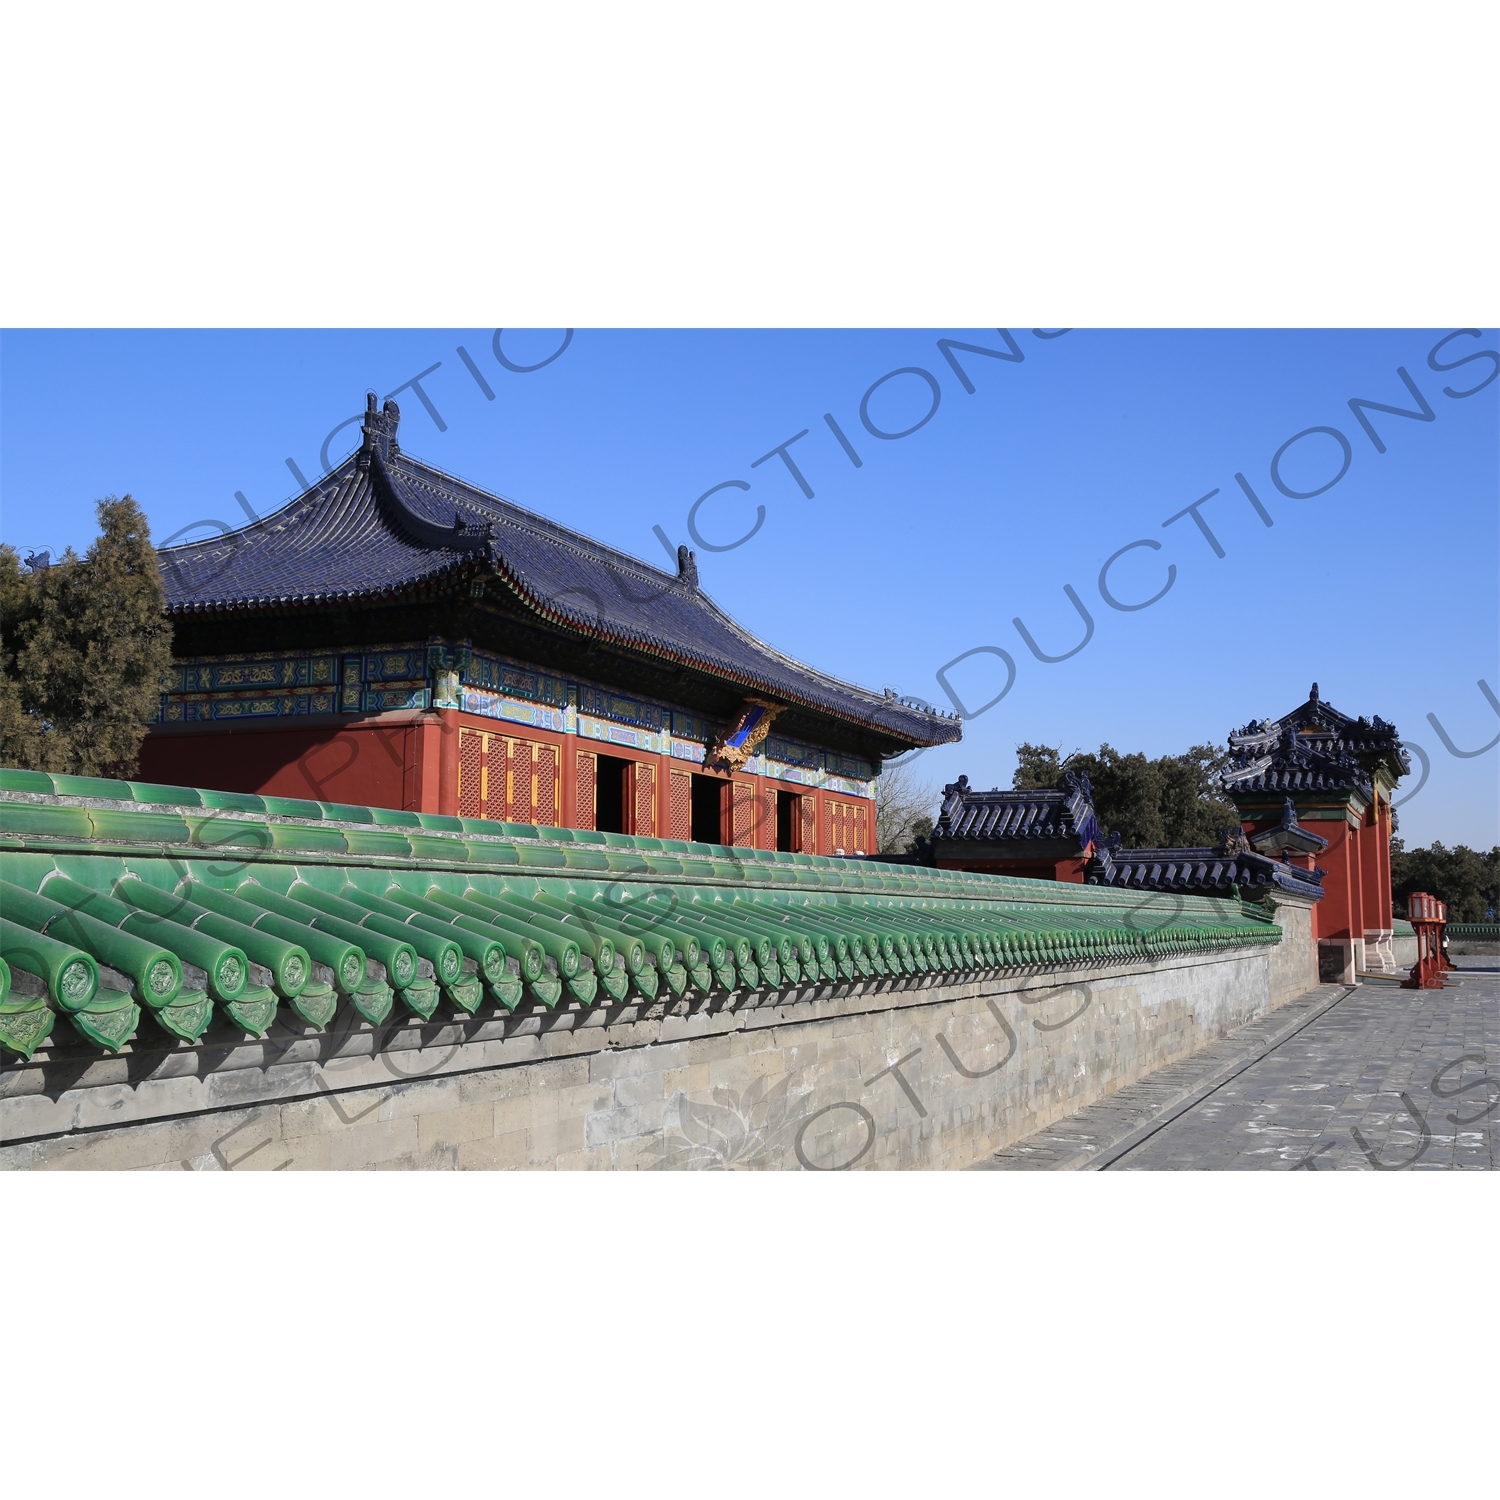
473,768
506,779
546,801
848,824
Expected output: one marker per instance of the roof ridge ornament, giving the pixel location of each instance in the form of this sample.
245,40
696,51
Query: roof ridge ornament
477,536
687,565
1232,840
379,432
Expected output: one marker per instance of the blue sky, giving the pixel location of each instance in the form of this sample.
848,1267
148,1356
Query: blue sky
1383,588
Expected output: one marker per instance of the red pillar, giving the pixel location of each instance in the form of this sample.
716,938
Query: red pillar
1383,869
424,753
444,745
567,792
663,796
1370,862
1360,903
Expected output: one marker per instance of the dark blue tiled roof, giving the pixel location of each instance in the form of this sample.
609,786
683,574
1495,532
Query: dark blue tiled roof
1200,871
1297,769
383,524
1015,818
1288,834
1314,749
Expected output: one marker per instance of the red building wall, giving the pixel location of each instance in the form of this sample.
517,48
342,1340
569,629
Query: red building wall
447,761
1357,873
390,762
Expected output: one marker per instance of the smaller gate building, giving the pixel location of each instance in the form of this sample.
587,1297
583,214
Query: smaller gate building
1313,792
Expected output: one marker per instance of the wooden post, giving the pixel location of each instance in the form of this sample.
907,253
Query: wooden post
1428,916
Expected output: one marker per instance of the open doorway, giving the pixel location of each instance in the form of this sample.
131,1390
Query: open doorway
708,809
788,822
612,794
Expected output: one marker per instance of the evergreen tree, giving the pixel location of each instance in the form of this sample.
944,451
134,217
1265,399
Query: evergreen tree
1173,802
1466,879
84,651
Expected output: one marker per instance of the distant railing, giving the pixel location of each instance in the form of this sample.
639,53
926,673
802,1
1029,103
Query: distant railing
1486,932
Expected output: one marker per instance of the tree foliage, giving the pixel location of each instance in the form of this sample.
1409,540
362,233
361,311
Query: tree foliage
1172,802
904,809
84,651
1466,879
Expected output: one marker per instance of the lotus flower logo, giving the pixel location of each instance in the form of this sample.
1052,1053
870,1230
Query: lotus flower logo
732,1130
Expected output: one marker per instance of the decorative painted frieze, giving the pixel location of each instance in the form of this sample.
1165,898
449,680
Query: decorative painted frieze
510,679
497,706
602,704
620,734
441,674
846,785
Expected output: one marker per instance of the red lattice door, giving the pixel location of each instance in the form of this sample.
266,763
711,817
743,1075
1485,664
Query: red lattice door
744,813
680,804
473,770
843,837
588,771
508,780
808,808
546,787
520,787
643,811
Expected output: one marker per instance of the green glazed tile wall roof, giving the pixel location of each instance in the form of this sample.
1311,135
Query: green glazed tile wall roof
376,899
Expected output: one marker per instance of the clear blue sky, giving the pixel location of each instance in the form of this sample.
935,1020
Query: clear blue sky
1384,588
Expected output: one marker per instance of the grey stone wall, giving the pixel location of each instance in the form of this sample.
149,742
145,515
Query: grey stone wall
873,1075
1294,960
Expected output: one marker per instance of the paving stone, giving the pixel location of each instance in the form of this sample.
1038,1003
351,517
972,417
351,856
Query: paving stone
1378,1081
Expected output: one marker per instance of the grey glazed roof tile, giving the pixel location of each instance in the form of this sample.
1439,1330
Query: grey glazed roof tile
1314,749
1016,817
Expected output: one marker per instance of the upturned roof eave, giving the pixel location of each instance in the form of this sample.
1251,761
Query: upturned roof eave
284,603
712,667
290,604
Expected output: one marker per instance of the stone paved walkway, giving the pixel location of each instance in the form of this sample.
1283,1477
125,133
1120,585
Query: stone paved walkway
1372,1078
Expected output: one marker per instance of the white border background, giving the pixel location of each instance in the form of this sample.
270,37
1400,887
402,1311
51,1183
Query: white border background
814,165
787,164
